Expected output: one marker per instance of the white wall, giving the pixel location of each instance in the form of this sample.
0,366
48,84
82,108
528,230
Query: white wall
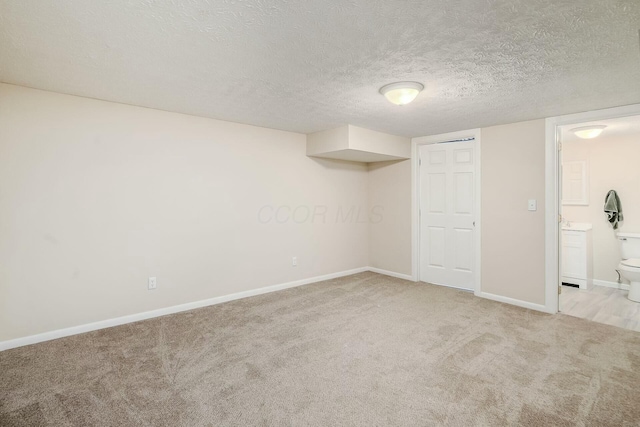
97,196
390,206
613,165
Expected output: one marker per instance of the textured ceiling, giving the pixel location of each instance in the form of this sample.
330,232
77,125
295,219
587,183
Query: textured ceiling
306,66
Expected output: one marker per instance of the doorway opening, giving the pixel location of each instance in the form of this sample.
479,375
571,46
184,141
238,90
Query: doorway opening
600,209
583,250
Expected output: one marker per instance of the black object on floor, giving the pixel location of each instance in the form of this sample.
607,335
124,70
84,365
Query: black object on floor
570,284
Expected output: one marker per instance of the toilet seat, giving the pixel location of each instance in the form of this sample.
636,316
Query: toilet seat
631,262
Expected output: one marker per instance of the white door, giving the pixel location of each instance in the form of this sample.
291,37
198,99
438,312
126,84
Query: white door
447,214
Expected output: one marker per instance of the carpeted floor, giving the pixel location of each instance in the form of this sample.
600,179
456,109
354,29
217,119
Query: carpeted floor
363,350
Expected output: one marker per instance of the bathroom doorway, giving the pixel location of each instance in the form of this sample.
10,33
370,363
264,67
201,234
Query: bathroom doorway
599,207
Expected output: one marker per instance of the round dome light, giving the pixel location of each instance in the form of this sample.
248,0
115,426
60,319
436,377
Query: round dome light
401,93
588,132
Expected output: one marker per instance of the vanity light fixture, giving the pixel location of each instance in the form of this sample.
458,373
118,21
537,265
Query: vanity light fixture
401,93
588,132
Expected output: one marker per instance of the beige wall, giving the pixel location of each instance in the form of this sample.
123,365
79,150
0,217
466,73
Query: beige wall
390,206
95,197
378,142
612,166
513,167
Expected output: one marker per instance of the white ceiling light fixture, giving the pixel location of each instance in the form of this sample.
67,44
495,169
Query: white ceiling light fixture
588,132
401,93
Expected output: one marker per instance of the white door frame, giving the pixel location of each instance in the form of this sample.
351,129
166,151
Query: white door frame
552,191
415,199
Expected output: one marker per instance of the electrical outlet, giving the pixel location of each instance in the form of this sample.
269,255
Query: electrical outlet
294,261
152,283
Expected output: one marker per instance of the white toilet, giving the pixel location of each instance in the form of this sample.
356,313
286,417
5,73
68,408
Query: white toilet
630,265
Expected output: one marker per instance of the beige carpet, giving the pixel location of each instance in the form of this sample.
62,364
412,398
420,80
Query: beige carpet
364,350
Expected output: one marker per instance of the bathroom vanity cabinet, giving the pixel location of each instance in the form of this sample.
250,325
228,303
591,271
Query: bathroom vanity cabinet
577,255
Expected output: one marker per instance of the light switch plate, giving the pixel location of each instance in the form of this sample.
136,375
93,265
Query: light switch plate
533,205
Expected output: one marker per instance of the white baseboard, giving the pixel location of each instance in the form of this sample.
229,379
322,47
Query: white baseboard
88,327
391,273
513,301
615,285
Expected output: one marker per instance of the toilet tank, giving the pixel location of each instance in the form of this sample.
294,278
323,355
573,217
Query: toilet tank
629,245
